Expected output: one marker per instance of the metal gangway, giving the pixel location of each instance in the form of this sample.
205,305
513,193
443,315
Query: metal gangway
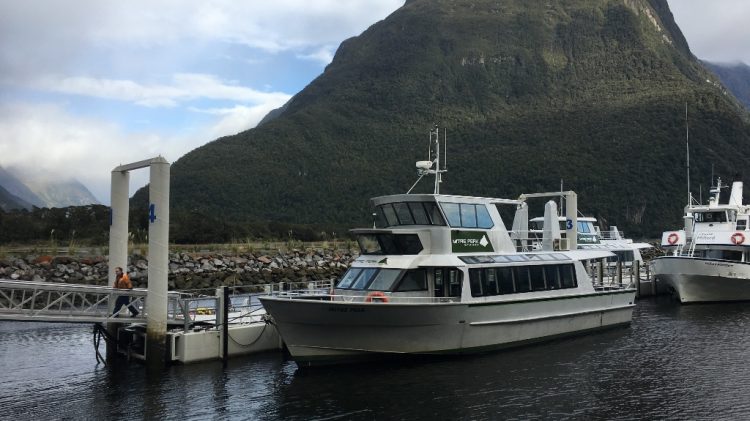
75,303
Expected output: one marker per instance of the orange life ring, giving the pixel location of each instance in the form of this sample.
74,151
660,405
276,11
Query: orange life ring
737,238
377,296
673,238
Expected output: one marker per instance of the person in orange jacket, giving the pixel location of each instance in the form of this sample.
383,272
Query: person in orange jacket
122,281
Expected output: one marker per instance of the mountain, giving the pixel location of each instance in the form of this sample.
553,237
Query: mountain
43,190
15,187
54,191
530,92
10,202
736,77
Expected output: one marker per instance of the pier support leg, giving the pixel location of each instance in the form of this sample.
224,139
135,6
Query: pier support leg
118,240
158,265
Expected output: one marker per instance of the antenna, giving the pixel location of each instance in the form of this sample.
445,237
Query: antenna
687,149
433,165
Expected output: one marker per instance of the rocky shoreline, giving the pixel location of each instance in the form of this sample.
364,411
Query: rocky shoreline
187,271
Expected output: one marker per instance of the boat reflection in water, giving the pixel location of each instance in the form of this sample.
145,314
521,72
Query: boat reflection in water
441,275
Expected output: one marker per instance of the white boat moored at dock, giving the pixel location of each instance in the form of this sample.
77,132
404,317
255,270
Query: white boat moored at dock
441,275
710,258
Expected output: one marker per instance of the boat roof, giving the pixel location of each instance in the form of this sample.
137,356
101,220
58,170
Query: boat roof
562,218
442,198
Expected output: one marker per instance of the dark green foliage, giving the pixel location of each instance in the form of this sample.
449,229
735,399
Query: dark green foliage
88,224
589,91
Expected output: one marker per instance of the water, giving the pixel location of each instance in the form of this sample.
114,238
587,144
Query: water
673,362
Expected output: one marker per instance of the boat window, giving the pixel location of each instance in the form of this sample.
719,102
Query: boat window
453,213
741,224
364,278
348,277
476,279
716,216
483,217
390,215
468,215
585,227
407,244
621,256
434,213
403,213
389,244
490,281
384,280
454,282
552,276
536,273
733,255
420,216
521,278
380,220
408,213
505,278
567,276
413,280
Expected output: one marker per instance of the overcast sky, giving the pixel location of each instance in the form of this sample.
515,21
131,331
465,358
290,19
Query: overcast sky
86,85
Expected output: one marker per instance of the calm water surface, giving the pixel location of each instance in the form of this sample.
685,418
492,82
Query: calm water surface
673,362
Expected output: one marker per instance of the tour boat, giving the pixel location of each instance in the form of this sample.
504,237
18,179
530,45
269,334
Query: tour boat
710,257
590,236
440,274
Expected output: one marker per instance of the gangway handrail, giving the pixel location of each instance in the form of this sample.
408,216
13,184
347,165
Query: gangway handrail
58,302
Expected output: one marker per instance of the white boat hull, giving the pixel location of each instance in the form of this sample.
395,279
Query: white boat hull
704,280
325,332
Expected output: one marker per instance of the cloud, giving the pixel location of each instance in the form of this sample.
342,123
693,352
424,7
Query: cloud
87,149
184,87
715,30
323,55
38,36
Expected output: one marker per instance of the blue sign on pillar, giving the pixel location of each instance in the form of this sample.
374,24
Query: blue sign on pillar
152,213
569,224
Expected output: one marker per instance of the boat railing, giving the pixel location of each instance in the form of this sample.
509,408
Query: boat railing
244,306
526,241
611,235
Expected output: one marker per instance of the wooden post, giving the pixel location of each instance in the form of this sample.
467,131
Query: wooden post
600,271
225,327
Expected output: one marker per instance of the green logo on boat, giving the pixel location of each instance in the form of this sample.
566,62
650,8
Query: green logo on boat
470,241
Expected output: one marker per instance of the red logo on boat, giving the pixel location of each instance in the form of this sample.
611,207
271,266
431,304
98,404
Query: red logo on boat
738,238
673,238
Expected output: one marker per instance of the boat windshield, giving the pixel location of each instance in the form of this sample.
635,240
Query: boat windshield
716,216
369,279
374,279
408,213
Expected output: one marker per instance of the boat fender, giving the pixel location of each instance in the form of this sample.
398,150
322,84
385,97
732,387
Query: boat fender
376,296
738,238
673,238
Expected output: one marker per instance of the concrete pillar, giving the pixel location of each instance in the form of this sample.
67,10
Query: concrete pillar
158,264
551,226
571,224
118,224
118,241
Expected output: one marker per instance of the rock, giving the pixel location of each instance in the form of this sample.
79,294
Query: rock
264,259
